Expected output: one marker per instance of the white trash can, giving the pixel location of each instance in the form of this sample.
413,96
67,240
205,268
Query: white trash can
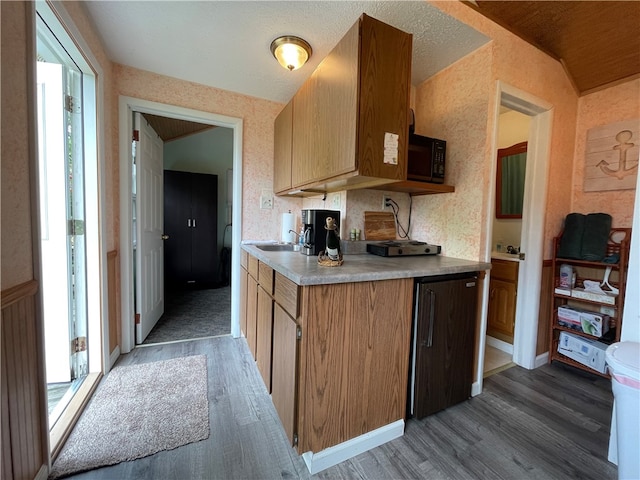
623,359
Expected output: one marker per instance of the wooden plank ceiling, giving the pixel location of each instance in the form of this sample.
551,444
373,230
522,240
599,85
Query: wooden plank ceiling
171,128
598,42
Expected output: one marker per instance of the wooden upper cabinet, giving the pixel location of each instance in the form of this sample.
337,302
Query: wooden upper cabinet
385,82
325,122
282,149
357,94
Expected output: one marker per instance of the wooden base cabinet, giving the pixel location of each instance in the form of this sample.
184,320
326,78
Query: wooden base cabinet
335,357
285,361
252,314
285,370
503,289
264,331
353,360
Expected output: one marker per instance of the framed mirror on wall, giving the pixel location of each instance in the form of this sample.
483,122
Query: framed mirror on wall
512,164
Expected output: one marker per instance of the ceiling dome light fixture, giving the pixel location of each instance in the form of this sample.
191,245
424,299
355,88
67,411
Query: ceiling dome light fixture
291,52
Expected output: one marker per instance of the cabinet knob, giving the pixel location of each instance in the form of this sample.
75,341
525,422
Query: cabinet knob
165,237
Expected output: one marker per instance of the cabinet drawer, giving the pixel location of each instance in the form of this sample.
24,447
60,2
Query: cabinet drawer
504,270
265,277
252,267
244,259
286,294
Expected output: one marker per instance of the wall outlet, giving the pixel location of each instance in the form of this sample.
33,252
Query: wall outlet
266,202
384,201
335,201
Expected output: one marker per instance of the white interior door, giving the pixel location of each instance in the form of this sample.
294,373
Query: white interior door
149,227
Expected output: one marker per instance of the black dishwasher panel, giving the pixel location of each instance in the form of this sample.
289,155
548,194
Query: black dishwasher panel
443,342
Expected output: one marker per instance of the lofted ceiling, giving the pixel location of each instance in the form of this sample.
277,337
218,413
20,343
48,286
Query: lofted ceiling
598,42
171,128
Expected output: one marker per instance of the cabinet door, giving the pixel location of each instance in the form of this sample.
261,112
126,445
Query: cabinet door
264,329
252,313
204,231
385,82
325,116
243,300
445,337
502,309
177,212
337,108
283,126
284,370
303,165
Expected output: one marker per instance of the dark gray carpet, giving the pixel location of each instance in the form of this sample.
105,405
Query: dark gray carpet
193,314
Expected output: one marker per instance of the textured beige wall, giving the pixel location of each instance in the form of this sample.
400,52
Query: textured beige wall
16,257
612,105
520,65
257,149
454,105
458,104
17,262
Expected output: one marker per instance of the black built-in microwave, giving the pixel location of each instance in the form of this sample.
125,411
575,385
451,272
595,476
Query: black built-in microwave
425,159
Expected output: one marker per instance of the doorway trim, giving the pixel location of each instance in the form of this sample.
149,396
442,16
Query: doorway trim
533,218
127,105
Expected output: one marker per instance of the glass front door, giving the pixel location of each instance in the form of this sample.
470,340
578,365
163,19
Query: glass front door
62,220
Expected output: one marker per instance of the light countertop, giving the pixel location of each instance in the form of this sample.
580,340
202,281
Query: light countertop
304,270
512,257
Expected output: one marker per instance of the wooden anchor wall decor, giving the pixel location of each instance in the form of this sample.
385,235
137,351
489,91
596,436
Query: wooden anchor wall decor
611,156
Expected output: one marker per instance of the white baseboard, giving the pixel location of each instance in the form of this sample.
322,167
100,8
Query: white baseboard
113,357
316,462
541,360
43,473
476,389
500,345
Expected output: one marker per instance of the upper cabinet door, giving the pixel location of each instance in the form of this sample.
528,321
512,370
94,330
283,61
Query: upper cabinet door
325,115
282,149
336,97
385,82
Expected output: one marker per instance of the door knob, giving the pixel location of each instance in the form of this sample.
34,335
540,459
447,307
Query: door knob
165,237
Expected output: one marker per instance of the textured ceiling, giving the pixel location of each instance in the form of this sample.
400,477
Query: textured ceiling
225,44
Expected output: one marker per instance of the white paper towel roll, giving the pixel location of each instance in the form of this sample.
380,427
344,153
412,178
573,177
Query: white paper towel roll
288,223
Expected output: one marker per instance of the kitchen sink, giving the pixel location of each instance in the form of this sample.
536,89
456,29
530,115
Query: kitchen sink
280,247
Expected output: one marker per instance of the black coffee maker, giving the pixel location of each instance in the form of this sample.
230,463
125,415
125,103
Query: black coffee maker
315,235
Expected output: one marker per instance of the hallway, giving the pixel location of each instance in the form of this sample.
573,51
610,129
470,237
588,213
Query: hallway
191,314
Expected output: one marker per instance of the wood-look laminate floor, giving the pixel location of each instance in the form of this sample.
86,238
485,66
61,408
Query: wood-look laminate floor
548,423
496,361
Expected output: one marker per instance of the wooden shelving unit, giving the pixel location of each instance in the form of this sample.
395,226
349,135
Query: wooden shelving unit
618,243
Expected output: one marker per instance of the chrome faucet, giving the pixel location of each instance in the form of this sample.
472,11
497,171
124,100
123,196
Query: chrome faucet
304,236
296,234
